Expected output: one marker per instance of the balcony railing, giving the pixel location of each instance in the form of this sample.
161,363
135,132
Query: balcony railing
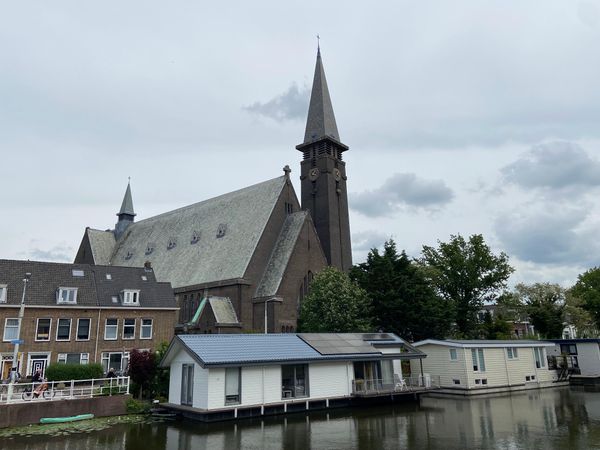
386,386
64,390
564,363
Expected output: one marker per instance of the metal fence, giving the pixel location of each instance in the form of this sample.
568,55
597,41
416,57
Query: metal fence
409,384
63,390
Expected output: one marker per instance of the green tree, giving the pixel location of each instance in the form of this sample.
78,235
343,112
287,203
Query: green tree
587,291
403,302
335,304
495,327
466,273
578,316
544,303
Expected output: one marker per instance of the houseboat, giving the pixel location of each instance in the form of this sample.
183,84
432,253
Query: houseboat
227,376
577,360
468,367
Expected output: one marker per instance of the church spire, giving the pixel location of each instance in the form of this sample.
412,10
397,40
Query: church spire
321,120
127,205
126,214
323,175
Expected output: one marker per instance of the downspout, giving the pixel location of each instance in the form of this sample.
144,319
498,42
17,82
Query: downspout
97,337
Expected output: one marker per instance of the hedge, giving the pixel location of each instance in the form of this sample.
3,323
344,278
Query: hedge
64,372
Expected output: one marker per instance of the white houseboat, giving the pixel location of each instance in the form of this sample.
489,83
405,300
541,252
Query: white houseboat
469,367
226,376
577,360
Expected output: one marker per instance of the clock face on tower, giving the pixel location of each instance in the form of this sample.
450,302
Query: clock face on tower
313,174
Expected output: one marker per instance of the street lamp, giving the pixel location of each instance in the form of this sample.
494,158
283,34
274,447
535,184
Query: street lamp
274,299
15,363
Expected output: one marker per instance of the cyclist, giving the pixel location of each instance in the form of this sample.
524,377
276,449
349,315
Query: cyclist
41,388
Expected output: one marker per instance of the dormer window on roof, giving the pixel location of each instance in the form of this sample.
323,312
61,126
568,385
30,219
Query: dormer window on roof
221,230
195,237
144,278
172,243
130,297
150,248
3,293
78,273
66,296
129,254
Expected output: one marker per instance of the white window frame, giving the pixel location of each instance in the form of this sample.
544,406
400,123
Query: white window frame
134,326
116,326
59,296
37,326
512,353
3,293
478,357
453,354
84,358
89,329
58,328
130,297
143,326
538,352
16,328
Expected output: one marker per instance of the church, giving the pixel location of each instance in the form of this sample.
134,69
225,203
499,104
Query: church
243,261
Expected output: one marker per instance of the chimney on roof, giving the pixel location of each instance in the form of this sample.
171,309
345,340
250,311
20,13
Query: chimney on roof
148,265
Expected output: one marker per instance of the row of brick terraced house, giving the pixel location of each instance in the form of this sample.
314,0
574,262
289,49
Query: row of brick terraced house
81,313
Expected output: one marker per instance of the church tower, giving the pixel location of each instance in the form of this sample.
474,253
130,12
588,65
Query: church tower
125,215
323,175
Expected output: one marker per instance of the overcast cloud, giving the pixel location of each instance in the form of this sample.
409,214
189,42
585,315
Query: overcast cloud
399,191
554,165
199,99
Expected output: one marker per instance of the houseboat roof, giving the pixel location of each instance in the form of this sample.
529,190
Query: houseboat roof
479,343
222,350
575,341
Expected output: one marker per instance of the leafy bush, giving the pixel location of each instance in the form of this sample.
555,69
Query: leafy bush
137,407
63,372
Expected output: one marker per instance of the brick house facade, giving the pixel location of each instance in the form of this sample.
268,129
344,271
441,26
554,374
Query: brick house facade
79,313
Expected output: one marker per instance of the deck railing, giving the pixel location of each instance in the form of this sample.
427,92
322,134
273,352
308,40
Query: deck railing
407,384
64,390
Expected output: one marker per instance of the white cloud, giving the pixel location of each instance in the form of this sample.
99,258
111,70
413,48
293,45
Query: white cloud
399,191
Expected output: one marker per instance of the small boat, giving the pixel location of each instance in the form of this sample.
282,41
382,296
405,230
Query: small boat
66,419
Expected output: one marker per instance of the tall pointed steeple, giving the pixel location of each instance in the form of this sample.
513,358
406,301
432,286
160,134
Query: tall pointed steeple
126,214
321,119
323,174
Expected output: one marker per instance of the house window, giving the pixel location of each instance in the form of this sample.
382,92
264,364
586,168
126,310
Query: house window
43,330
233,385
289,208
119,361
146,329
187,384
477,381
63,330
455,381
294,381
110,329
83,329
478,360
484,381
539,357
569,349
453,355
78,273
512,353
11,329
73,358
128,328
66,295
3,290
130,297
108,276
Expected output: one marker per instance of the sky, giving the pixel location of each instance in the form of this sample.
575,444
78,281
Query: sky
462,117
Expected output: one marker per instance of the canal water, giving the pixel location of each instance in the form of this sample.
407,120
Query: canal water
559,418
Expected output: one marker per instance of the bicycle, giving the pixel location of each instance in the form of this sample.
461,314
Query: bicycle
44,392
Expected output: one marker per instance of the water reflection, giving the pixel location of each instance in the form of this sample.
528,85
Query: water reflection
547,419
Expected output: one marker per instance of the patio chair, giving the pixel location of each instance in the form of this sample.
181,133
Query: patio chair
399,383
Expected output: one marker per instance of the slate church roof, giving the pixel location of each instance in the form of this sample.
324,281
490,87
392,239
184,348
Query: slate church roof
208,241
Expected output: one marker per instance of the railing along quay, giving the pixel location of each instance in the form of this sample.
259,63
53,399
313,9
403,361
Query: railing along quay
64,390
